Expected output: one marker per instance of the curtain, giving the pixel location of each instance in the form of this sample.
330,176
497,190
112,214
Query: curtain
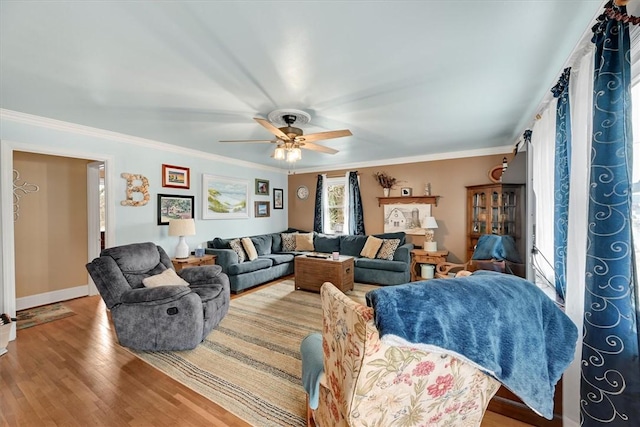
581,95
610,385
318,215
355,211
562,167
542,147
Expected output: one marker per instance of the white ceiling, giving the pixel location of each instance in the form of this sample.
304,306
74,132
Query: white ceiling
408,78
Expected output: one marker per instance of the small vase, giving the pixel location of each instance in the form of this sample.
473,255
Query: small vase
385,191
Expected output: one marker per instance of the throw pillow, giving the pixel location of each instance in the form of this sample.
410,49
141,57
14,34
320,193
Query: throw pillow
388,249
249,248
288,242
371,247
167,278
304,242
237,248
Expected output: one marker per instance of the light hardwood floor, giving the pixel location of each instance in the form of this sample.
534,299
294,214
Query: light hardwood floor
72,372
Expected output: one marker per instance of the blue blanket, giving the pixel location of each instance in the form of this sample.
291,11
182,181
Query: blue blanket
503,324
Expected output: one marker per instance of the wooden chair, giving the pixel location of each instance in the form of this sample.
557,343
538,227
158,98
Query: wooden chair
448,270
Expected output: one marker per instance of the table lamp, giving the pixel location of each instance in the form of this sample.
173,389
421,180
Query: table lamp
182,227
429,224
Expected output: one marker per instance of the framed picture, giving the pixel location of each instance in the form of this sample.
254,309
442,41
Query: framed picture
224,198
175,177
172,206
406,191
261,209
278,198
262,187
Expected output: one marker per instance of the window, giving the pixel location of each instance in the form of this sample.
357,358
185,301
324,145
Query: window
335,206
635,182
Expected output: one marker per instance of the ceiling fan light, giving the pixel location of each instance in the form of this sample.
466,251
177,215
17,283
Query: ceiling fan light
279,153
291,156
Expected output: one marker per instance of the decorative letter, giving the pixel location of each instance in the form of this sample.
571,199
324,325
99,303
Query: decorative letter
143,189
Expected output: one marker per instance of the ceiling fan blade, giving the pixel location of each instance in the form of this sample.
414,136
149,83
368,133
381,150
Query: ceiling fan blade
247,140
325,135
271,128
316,147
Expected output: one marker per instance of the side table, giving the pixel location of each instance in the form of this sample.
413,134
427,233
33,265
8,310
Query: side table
420,256
193,261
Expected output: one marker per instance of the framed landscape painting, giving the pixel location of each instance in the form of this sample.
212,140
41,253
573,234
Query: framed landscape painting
175,177
261,209
224,197
172,206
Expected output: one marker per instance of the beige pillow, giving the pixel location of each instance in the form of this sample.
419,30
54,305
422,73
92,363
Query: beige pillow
167,278
304,242
371,247
249,248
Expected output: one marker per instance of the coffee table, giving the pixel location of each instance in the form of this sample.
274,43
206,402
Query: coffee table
311,273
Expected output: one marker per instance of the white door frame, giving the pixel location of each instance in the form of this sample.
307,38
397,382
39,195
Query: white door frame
7,235
93,217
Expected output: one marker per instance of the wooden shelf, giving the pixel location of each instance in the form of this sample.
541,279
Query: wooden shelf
427,200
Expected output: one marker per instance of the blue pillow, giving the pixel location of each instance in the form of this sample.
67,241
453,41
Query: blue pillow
326,244
262,243
493,246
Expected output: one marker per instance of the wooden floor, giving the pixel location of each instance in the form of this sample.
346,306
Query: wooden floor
72,372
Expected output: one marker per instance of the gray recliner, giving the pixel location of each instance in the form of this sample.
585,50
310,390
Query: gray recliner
163,317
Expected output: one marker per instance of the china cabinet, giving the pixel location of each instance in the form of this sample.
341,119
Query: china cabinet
495,209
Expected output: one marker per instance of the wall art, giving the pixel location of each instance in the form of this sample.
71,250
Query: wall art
172,206
142,189
224,197
261,209
262,187
278,198
175,177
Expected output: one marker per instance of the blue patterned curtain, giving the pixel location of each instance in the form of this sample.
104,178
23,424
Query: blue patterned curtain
561,181
318,215
610,380
356,215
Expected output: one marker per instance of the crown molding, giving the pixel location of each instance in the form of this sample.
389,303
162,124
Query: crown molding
505,149
77,129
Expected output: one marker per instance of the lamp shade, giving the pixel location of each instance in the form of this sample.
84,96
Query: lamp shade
182,227
430,222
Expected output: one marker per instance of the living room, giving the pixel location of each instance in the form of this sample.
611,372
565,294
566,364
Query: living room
34,125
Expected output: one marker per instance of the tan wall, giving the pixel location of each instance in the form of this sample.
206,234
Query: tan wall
448,179
51,230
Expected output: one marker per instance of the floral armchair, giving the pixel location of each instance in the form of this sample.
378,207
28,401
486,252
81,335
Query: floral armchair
369,383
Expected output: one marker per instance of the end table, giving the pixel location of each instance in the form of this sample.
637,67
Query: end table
420,256
193,261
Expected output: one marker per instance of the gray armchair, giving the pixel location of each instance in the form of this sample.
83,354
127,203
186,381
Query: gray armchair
163,317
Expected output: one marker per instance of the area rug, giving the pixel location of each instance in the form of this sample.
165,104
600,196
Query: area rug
250,365
43,314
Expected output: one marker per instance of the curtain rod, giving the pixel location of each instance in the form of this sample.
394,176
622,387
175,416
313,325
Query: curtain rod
339,175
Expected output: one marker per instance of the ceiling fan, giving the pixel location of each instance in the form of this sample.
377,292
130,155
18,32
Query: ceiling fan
289,139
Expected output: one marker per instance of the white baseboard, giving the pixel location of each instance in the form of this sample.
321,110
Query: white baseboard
51,297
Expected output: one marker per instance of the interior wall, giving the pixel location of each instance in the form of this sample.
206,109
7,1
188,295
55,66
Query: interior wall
51,230
448,179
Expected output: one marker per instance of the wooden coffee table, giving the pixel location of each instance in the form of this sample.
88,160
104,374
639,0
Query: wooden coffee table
311,273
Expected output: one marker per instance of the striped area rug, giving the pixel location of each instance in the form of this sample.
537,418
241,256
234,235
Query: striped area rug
250,365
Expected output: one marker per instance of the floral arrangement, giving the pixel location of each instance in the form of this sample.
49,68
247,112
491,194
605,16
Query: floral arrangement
385,181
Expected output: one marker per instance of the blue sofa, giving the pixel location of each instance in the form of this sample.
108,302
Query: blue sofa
273,263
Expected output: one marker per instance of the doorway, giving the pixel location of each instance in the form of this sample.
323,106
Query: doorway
7,260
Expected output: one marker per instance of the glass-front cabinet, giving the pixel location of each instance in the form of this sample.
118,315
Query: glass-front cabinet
493,209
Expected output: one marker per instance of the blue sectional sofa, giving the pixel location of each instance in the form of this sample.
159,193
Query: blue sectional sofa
273,262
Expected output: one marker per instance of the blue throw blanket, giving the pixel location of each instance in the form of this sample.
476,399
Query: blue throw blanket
503,324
